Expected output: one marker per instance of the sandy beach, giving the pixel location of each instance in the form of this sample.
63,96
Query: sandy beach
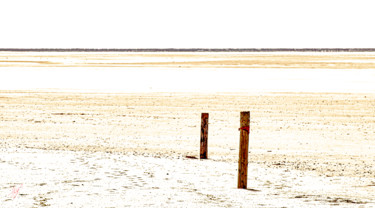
114,130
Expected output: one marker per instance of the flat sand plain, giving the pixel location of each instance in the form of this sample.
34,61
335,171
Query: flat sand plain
310,146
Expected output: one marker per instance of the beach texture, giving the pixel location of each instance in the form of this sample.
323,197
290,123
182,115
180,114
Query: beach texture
79,142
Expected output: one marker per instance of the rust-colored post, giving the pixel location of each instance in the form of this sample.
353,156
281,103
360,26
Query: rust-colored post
244,149
204,136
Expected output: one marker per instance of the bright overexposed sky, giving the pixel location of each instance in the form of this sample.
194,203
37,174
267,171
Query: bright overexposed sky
186,23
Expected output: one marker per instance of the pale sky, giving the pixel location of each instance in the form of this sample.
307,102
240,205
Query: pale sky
186,23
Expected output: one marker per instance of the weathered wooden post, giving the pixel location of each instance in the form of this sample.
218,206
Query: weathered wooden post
244,149
204,136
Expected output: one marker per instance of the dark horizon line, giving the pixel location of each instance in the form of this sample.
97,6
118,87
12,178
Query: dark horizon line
187,49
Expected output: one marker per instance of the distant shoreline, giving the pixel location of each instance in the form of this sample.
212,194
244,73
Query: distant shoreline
187,49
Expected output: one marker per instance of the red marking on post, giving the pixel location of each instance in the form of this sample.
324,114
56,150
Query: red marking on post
246,128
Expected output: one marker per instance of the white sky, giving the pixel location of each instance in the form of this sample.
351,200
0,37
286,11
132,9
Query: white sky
186,23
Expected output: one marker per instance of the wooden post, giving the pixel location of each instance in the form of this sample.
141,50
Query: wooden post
244,149
204,136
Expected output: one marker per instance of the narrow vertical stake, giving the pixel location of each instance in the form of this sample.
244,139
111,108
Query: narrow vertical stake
244,149
204,136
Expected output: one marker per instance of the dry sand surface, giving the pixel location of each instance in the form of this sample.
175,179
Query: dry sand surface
190,60
313,147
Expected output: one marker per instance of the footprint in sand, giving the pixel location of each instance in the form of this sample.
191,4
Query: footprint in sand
135,181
